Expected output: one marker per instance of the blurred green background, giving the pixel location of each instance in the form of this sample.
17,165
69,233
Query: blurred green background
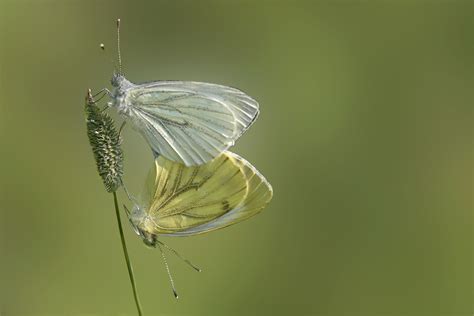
366,134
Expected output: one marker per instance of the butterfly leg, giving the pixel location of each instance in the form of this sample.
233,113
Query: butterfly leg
103,92
126,210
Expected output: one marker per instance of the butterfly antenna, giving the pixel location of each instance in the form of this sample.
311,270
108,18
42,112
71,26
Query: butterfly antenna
179,256
168,270
118,47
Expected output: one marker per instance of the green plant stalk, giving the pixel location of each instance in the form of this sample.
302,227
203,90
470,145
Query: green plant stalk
127,258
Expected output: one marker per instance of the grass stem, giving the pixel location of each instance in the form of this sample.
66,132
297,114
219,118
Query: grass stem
127,258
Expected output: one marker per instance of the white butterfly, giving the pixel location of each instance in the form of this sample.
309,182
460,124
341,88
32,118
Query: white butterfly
187,122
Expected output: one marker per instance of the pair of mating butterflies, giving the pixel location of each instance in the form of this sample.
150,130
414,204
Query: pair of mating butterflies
195,185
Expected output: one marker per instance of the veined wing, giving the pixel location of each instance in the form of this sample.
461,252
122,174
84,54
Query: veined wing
178,197
259,194
190,122
181,201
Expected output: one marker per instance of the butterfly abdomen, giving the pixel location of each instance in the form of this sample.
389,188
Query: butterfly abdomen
105,142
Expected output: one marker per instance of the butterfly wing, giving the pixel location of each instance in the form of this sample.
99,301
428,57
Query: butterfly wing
179,197
259,194
183,201
190,122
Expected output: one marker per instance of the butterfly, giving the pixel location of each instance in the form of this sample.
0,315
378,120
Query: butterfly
185,121
185,201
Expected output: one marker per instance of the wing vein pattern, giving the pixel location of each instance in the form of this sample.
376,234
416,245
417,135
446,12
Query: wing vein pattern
190,122
183,201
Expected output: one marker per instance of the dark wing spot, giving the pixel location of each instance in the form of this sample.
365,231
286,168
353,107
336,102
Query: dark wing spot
225,205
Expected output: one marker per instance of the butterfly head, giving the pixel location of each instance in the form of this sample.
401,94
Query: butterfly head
149,239
117,80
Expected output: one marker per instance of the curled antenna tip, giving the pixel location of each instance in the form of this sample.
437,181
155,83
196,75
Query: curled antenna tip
118,22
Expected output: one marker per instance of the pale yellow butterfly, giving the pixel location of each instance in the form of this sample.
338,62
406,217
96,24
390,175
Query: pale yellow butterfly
184,201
